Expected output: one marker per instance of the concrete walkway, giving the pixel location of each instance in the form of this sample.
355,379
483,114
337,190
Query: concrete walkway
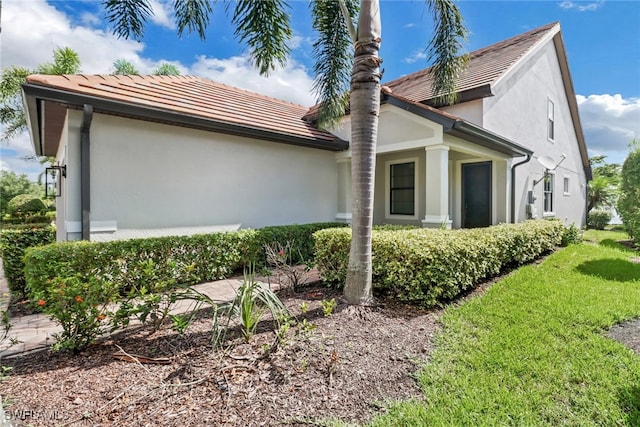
36,331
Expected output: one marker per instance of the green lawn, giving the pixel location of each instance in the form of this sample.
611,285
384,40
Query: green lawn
532,350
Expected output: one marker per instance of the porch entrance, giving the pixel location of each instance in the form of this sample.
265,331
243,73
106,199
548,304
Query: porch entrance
476,194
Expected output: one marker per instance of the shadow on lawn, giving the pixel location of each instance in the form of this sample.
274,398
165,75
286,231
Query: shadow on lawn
624,245
629,400
611,269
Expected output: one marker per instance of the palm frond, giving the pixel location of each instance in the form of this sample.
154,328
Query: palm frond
128,16
445,49
11,111
264,26
333,52
192,15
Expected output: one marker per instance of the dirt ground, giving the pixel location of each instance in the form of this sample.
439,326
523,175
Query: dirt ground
344,366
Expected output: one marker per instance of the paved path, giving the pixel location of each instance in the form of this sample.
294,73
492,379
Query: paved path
35,331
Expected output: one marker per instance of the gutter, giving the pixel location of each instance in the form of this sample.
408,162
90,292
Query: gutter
513,186
85,171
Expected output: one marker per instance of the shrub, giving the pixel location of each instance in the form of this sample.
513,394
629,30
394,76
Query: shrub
598,219
79,306
571,235
629,201
153,263
428,266
25,204
13,244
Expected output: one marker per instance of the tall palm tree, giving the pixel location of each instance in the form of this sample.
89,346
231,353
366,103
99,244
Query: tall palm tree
347,62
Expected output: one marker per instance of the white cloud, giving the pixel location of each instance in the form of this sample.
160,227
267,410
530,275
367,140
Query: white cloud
609,123
162,14
291,84
31,30
409,25
418,55
90,19
582,6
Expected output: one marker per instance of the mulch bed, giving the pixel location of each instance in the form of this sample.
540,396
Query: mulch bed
343,366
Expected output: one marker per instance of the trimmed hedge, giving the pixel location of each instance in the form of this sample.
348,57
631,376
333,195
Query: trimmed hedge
167,261
428,266
13,244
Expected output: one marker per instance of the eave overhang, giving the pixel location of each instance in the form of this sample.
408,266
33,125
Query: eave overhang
38,97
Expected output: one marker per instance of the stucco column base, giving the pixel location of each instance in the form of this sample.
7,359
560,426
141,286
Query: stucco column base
436,221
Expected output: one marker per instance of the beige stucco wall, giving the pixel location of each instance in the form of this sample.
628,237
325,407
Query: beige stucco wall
147,176
470,111
519,111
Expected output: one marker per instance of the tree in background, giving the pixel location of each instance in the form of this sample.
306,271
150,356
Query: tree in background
166,69
347,62
65,61
12,116
603,188
122,67
12,185
629,200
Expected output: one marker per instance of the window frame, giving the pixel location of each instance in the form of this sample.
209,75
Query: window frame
551,120
548,192
388,189
566,185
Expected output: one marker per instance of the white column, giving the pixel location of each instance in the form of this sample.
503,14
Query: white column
437,187
344,191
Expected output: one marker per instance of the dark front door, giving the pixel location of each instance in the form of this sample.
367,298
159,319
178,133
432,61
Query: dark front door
476,194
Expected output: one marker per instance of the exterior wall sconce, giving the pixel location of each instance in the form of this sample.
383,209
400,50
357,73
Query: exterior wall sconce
53,180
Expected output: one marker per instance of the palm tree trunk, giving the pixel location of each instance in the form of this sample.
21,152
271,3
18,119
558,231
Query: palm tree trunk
365,111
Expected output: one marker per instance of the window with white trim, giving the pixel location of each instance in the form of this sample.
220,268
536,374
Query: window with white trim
550,120
402,188
565,186
548,194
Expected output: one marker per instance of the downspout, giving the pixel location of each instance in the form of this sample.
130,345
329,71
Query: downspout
513,187
85,171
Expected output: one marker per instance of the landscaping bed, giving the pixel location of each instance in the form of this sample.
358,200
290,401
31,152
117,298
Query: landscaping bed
344,366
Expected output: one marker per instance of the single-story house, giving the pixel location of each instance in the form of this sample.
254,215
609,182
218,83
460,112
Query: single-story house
148,155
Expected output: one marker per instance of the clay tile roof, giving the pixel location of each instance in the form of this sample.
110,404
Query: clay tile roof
195,97
485,66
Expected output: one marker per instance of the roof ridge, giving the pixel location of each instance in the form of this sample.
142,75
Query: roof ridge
512,40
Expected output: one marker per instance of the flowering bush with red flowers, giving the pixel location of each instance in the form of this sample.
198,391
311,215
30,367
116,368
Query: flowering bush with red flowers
81,307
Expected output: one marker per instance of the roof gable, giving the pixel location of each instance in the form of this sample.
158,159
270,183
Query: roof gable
484,68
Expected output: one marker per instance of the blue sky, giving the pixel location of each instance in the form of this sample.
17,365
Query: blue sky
602,39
